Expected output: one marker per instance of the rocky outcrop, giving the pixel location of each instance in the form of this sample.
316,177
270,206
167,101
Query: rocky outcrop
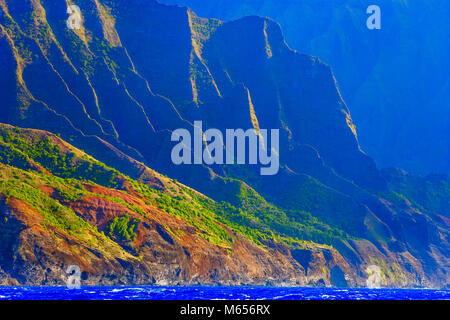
33,258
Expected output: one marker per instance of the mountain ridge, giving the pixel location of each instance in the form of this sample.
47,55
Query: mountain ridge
120,85
395,79
98,207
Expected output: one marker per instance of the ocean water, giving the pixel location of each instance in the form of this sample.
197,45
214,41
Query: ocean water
217,293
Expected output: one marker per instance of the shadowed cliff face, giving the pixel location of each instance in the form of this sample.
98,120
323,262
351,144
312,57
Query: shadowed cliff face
395,80
119,76
137,70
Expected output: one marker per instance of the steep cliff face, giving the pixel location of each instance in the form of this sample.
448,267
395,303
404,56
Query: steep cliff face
395,79
105,77
137,70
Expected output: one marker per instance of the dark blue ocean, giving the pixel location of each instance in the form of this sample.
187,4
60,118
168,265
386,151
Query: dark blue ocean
217,293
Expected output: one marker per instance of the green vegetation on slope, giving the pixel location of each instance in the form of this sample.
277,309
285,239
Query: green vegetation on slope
123,228
70,169
18,149
430,193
